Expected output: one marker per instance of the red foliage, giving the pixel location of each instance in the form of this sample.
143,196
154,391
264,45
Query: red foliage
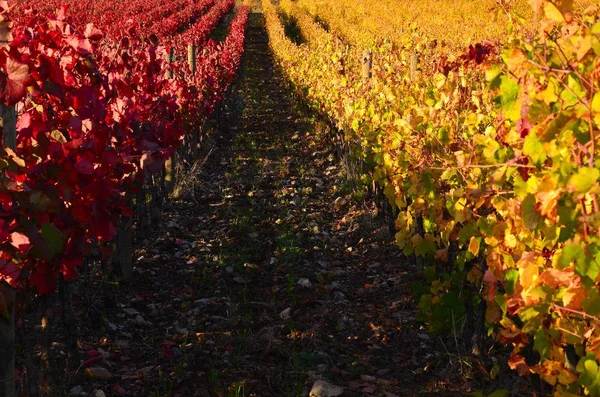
96,116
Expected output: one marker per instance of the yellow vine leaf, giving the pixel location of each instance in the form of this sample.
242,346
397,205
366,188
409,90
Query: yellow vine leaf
596,103
561,392
554,372
555,278
563,5
549,203
553,13
474,245
584,45
509,239
517,363
528,269
573,297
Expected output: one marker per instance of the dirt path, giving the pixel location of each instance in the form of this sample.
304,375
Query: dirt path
274,275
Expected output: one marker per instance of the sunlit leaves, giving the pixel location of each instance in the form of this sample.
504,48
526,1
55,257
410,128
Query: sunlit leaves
14,77
90,113
509,98
496,165
595,106
528,212
583,180
20,241
553,13
541,343
570,253
554,372
533,148
589,374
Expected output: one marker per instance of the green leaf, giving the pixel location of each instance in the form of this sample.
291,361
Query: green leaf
511,276
587,268
54,238
528,212
571,252
542,343
568,219
583,181
425,247
591,368
466,233
490,149
575,93
509,94
534,149
532,317
589,377
591,304
520,187
549,94
492,74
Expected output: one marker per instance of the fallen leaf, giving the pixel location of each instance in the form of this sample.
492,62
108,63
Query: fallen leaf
98,373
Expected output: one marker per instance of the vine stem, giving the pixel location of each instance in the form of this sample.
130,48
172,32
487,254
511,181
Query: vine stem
585,224
549,69
592,143
485,166
583,314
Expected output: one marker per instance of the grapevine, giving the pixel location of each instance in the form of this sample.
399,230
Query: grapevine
489,159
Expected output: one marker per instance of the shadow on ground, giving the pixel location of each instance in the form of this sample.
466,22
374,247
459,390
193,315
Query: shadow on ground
272,274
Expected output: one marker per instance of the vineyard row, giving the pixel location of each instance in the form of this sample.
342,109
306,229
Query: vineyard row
488,159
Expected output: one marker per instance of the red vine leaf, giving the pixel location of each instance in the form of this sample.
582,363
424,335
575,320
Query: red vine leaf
20,241
13,82
83,46
93,33
9,272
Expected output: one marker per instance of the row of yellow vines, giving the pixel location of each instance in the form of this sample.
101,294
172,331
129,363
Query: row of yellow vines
497,156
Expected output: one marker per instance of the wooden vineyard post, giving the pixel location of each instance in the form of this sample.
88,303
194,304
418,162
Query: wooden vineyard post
418,259
192,58
367,64
170,59
413,60
413,66
169,176
7,293
9,123
192,62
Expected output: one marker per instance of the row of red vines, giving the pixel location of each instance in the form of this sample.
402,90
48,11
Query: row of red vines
218,63
199,33
179,22
153,13
93,121
114,17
